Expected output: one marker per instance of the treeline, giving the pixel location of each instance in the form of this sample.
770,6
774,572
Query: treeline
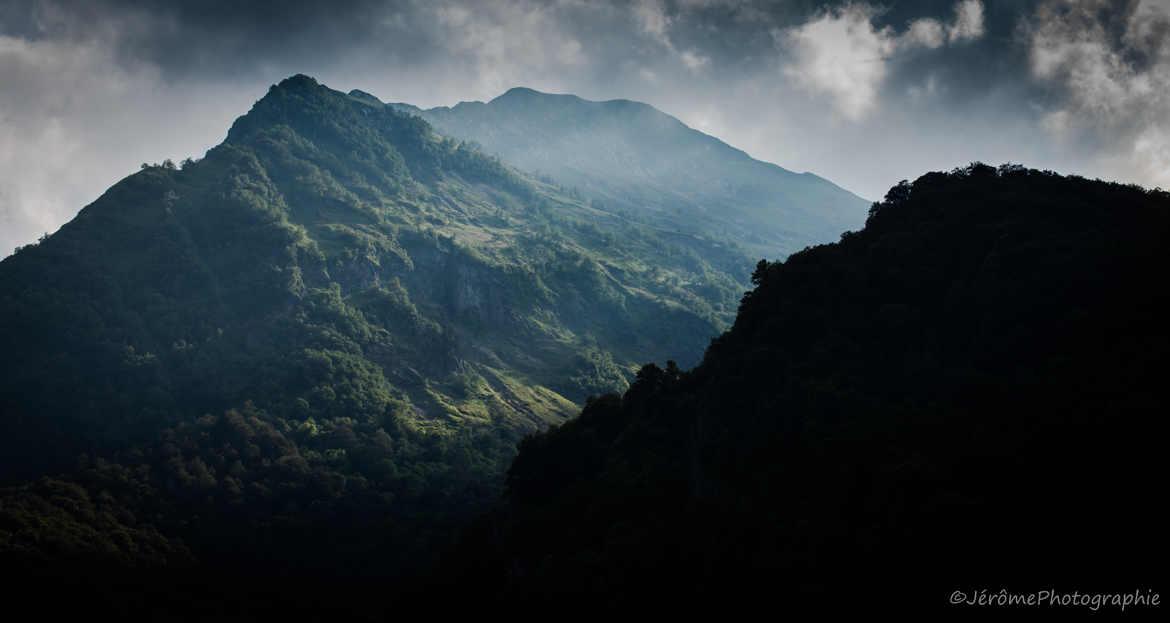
248,513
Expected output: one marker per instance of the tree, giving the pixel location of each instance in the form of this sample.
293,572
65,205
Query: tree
761,269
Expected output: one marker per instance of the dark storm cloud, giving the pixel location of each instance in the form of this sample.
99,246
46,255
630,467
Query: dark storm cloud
996,58
229,38
864,93
185,38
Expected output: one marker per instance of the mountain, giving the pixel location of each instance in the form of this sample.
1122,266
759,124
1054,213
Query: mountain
630,158
319,344
964,395
290,379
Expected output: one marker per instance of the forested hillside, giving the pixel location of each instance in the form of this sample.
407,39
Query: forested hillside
967,394
318,345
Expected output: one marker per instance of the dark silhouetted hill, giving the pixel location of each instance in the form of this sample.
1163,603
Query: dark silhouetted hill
967,394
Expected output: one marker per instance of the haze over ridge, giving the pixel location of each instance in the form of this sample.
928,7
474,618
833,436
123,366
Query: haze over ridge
630,157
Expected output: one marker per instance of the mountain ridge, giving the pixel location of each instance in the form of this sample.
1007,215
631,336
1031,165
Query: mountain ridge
614,150
376,294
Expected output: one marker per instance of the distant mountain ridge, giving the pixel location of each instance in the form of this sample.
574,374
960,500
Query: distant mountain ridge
631,157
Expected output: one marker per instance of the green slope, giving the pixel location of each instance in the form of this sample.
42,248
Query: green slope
630,158
390,309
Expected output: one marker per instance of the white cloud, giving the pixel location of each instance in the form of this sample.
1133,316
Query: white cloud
926,32
1055,122
968,21
841,55
508,43
694,61
654,22
651,14
1150,156
1108,91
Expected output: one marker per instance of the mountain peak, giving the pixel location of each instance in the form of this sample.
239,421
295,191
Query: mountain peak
630,156
520,92
358,94
298,81
527,95
299,101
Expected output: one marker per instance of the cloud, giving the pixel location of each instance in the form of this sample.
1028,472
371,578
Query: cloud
694,61
41,150
841,54
651,16
968,21
925,32
506,43
1114,85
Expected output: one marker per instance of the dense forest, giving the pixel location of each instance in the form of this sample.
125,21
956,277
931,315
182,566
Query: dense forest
965,394
336,369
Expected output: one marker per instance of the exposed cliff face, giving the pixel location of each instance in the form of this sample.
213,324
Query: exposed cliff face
358,274
477,295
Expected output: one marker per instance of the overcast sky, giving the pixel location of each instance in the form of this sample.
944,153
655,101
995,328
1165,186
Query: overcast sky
864,94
